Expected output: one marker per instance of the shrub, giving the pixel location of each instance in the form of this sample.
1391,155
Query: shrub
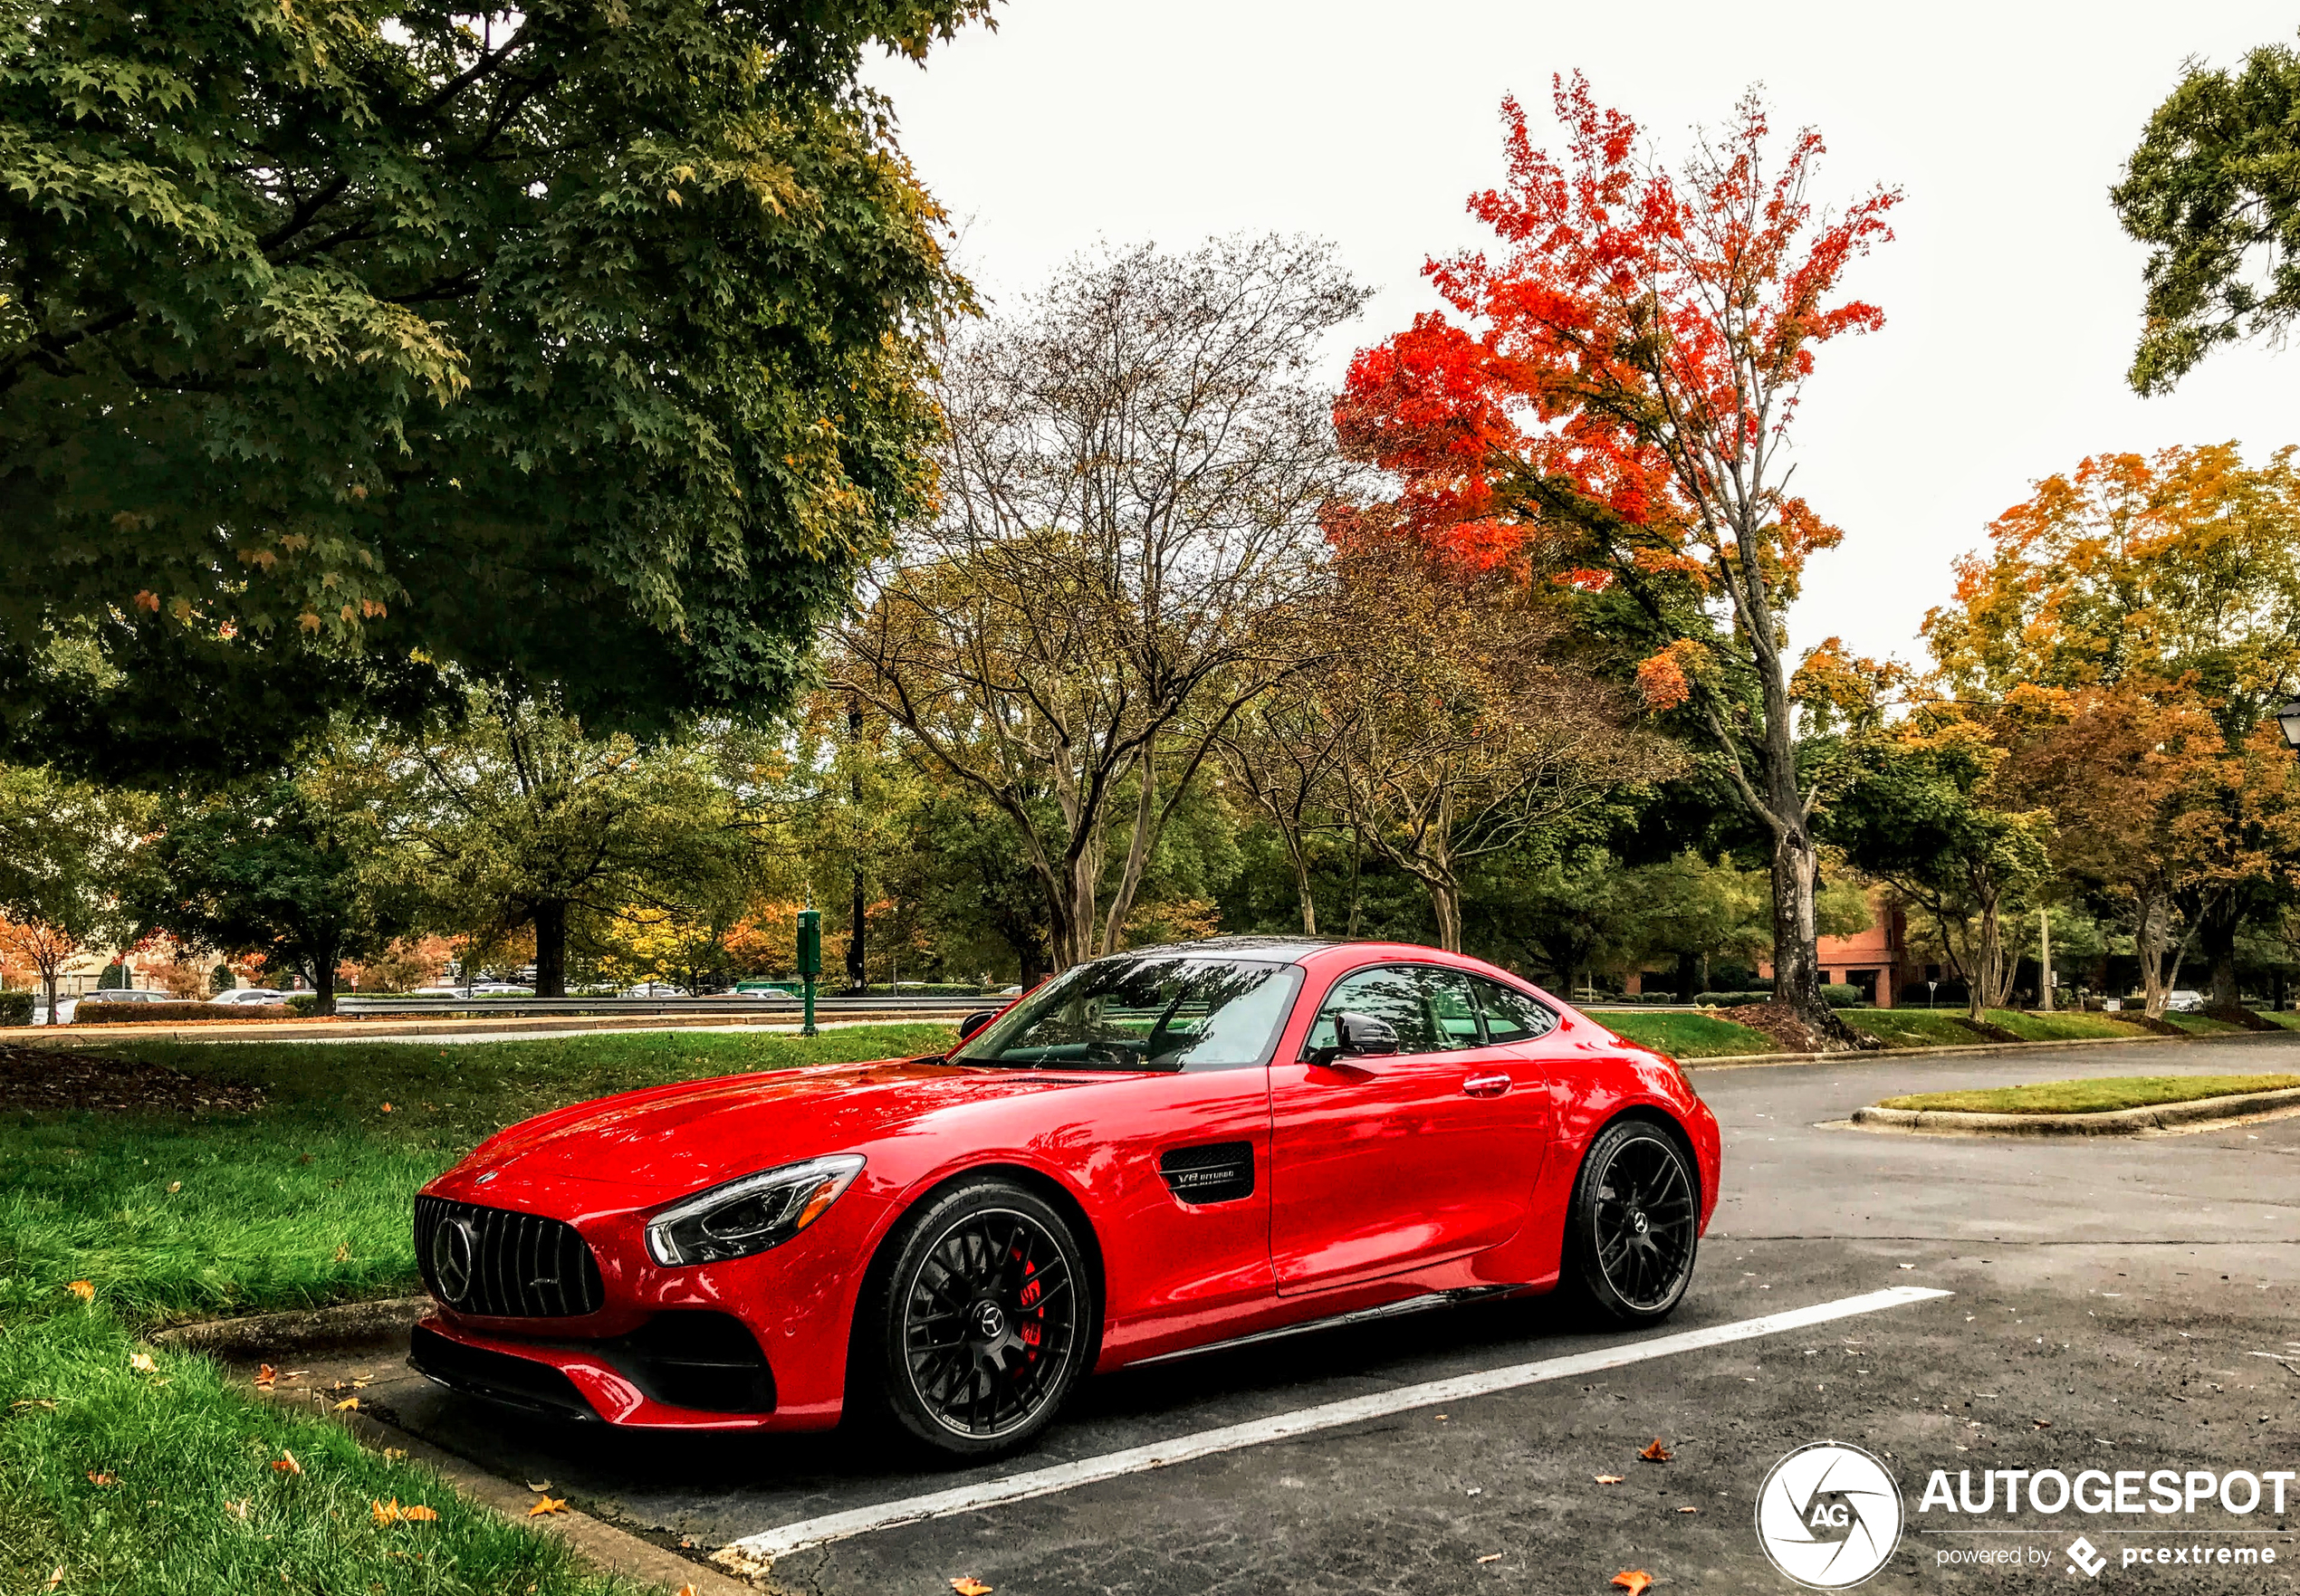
1730,999
1842,995
301,1002
91,1011
15,1008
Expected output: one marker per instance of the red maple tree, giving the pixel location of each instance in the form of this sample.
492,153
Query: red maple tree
1616,409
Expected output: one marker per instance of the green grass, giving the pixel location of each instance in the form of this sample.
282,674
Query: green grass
2058,1025
2199,1025
304,1201
2289,1021
1913,1027
1688,1035
307,1202
2094,1096
194,1507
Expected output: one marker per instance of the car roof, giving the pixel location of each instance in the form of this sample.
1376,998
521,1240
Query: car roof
1288,949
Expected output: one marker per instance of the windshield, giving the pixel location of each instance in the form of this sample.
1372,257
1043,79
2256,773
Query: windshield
1158,1012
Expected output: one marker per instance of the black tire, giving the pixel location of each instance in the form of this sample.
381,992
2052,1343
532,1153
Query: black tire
982,1321
1635,1225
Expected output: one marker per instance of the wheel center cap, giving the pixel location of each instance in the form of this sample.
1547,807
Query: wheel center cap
990,1321
1638,1223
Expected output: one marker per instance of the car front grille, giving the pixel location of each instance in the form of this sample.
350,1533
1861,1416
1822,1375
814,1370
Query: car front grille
505,1265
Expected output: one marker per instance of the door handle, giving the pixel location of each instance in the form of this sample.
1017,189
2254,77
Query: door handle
1486,1085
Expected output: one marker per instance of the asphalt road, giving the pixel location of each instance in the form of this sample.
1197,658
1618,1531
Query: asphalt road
2111,1304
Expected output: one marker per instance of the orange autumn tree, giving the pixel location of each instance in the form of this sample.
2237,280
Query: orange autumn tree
1616,401
2158,592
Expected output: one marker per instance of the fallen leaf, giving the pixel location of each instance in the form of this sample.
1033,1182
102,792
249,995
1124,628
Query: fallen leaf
387,1108
685,1591
548,1505
1493,1557
419,1515
292,1374
393,1454
34,1402
98,1477
344,1252
1657,1453
1609,1480
84,1290
265,1374
386,1512
970,1586
236,1509
174,1187
55,1578
286,1463
2043,1423
141,1362
1632,1580
540,1487
348,1403
1689,1510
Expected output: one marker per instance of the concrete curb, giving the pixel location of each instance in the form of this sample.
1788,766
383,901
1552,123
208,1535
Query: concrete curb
596,1541
262,1336
1762,1060
2122,1122
385,1030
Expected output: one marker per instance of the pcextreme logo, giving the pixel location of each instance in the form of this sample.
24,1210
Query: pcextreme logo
1828,1516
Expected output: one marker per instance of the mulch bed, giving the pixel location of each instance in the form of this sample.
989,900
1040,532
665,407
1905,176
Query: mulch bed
1788,1033
53,1078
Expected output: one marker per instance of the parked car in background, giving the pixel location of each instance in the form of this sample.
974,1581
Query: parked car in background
241,997
68,1006
767,990
2185,1001
654,990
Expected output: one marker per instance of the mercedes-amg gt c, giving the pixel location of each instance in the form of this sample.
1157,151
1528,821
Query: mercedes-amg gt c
1153,1154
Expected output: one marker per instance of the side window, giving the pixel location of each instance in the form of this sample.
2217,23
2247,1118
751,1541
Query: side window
1453,1010
1509,1015
1431,1010
1389,993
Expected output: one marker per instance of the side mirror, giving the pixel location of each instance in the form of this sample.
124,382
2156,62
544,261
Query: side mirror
975,1022
1363,1033
1358,1036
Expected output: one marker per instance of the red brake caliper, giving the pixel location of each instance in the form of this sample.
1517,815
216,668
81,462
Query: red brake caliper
1033,1328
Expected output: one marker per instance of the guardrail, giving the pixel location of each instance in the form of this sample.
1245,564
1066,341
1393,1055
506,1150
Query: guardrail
511,1008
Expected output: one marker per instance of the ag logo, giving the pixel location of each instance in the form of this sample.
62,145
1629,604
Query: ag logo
454,1256
1828,1516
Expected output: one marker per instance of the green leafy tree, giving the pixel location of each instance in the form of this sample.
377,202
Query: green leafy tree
574,345
65,848
514,820
290,866
2213,190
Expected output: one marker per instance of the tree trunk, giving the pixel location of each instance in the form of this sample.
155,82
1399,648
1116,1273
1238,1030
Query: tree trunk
1445,902
1300,856
323,981
2044,961
2217,932
1689,976
550,949
1138,844
48,979
858,935
1797,958
1980,985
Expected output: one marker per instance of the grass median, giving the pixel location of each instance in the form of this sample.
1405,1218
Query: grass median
2094,1096
165,1479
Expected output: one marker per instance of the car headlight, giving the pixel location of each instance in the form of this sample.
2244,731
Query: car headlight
752,1214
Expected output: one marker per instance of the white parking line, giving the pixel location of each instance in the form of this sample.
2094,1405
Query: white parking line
1062,1477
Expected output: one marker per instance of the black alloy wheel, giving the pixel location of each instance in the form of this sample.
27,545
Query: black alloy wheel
986,1318
1635,1223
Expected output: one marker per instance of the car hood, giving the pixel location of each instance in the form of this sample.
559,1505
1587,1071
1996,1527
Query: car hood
666,1141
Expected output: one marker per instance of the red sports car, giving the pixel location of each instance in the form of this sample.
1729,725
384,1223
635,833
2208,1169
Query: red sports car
1153,1154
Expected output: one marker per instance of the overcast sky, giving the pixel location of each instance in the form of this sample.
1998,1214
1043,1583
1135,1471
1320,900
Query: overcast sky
2011,296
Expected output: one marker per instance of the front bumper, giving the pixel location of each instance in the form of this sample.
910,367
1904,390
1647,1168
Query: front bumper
757,1342
682,1369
